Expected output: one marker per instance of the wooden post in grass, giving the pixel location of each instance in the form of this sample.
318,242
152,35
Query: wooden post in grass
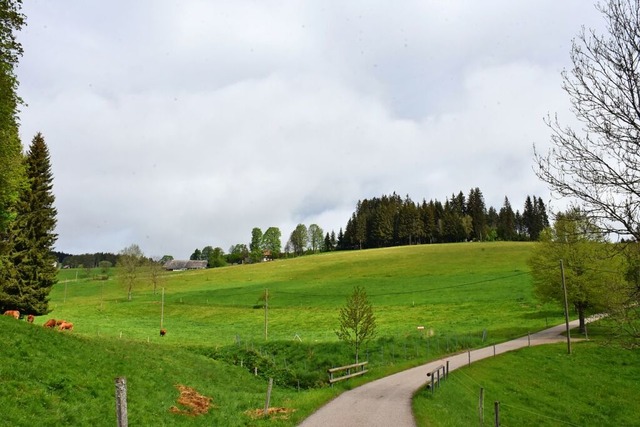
121,401
266,403
496,407
566,308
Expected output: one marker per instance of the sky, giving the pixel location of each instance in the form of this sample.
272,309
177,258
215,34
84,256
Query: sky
180,124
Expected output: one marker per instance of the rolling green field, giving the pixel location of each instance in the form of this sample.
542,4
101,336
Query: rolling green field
465,295
459,289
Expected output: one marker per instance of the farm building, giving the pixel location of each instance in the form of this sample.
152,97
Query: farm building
177,265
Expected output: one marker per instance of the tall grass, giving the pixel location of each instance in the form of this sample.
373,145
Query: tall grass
541,386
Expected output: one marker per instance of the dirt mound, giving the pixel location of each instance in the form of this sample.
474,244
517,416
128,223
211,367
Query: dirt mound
193,402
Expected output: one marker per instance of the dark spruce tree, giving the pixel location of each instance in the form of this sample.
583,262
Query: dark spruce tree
32,237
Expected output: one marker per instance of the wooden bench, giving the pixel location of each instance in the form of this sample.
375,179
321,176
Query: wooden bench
359,369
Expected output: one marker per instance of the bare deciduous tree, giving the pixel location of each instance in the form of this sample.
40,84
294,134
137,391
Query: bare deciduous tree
131,260
599,164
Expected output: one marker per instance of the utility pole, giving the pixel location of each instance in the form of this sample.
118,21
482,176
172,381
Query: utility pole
566,308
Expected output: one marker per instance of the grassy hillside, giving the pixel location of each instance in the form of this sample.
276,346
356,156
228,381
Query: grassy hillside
452,289
51,378
467,295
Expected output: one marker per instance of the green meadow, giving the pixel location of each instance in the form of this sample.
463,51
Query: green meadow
464,295
596,385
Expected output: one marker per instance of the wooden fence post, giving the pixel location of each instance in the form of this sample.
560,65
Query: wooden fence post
266,403
121,401
496,406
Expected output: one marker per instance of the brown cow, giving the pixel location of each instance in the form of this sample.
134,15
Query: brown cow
12,313
51,323
30,318
66,326
60,322
163,332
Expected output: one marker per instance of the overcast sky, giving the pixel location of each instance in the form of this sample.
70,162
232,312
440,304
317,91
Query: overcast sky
177,124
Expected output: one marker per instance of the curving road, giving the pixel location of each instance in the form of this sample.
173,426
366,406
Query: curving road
387,401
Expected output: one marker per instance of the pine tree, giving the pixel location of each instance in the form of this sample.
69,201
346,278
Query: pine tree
32,237
506,222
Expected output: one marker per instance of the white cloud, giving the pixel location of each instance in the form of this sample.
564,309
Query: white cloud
177,125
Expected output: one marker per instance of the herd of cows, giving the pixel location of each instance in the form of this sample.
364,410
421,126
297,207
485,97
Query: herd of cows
62,325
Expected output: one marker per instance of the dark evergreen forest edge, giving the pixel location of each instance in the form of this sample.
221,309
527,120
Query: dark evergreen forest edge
379,222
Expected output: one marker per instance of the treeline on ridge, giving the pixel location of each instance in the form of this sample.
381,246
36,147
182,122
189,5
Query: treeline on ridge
392,221
383,221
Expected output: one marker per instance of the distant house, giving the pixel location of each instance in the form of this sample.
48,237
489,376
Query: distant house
179,265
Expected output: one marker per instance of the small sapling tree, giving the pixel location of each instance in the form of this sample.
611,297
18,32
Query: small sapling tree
357,322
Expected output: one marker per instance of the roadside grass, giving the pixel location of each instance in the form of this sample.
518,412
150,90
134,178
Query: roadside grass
542,386
464,295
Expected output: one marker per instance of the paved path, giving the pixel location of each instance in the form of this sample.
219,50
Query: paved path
387,401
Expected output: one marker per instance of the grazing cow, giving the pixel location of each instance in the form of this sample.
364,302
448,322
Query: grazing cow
66,326
51,323
30,318
163,332
12,313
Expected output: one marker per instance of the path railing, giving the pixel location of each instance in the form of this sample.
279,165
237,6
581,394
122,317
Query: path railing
357,368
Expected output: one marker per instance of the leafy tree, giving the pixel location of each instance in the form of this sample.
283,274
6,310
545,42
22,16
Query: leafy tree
315,237
357,321
591,269
298,239
206,254
12,177
131,261
165,259
598,164
255,246
32,271
271,241
238,253
217,258
196,255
